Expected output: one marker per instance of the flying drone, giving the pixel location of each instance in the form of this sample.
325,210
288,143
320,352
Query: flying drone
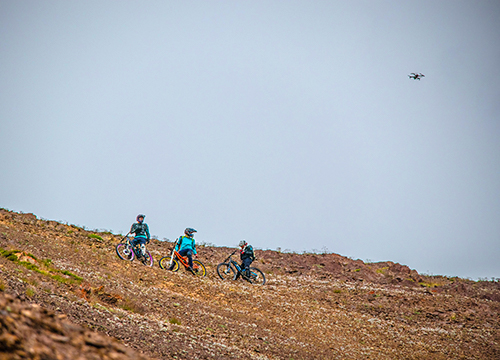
416,76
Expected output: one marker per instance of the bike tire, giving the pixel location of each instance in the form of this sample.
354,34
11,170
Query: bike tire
164,262
199,268
226,271
257,277
148,259
124,252
175,265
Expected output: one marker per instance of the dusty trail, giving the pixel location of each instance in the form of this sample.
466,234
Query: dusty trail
314,307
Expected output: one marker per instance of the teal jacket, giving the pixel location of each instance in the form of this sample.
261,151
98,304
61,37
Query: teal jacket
186,242
140,230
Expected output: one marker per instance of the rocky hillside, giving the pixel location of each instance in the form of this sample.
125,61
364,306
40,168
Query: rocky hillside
66,295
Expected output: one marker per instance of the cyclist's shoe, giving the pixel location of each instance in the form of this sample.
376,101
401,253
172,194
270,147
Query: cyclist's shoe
191,270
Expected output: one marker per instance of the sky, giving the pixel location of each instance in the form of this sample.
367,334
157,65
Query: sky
290,124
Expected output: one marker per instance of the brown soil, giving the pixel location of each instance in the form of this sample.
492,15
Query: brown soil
31,332
313,306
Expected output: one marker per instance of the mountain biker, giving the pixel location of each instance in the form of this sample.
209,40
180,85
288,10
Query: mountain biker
141,231
186,247
247,256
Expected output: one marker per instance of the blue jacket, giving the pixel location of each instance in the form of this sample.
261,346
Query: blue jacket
186,243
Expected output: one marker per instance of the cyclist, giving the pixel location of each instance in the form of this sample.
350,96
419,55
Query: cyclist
141,231
247,256
186,247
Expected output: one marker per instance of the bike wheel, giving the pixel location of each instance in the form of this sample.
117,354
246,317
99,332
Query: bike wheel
226,271
175,266
199,268
147,259
125,252
164,262
256,277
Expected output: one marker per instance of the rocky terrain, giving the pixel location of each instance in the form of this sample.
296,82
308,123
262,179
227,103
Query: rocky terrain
66,295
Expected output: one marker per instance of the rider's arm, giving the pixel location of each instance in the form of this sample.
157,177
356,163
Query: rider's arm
147,232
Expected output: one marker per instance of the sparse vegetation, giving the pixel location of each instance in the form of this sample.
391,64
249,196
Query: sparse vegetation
47,268
95,236
46,262
174,321
382,270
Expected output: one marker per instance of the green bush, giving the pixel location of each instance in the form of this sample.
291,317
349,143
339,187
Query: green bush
94,236
47,262
68,273
174,321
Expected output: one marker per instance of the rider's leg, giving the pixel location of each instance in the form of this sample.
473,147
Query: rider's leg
142,241
189,254
245,265
139,241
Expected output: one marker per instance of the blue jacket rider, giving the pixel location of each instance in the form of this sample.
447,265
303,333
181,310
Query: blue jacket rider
141,231
186,246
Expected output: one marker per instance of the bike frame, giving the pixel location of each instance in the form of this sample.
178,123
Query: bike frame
183,260
129,244
237,266
136,249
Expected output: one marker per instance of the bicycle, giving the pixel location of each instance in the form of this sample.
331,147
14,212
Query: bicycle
126,251
176,258
230,269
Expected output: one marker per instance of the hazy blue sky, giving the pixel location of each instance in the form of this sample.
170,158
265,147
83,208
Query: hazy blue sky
290,124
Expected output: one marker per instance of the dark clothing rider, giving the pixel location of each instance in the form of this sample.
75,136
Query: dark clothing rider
247,256
141,231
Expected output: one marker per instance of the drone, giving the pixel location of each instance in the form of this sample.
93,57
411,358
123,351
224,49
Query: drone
415,76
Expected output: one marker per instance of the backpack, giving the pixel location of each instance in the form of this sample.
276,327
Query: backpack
249,251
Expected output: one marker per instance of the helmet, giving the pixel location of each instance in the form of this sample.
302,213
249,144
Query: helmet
189,232
140,216
242,243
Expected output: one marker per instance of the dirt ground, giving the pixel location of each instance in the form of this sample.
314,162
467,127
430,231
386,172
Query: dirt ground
313,306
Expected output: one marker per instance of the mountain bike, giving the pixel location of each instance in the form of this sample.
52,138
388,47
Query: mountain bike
172,263
126,251
230,269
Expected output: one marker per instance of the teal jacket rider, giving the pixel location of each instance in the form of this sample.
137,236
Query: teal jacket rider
186,243
141,230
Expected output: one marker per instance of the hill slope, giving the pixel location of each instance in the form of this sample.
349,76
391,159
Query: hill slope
312,307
